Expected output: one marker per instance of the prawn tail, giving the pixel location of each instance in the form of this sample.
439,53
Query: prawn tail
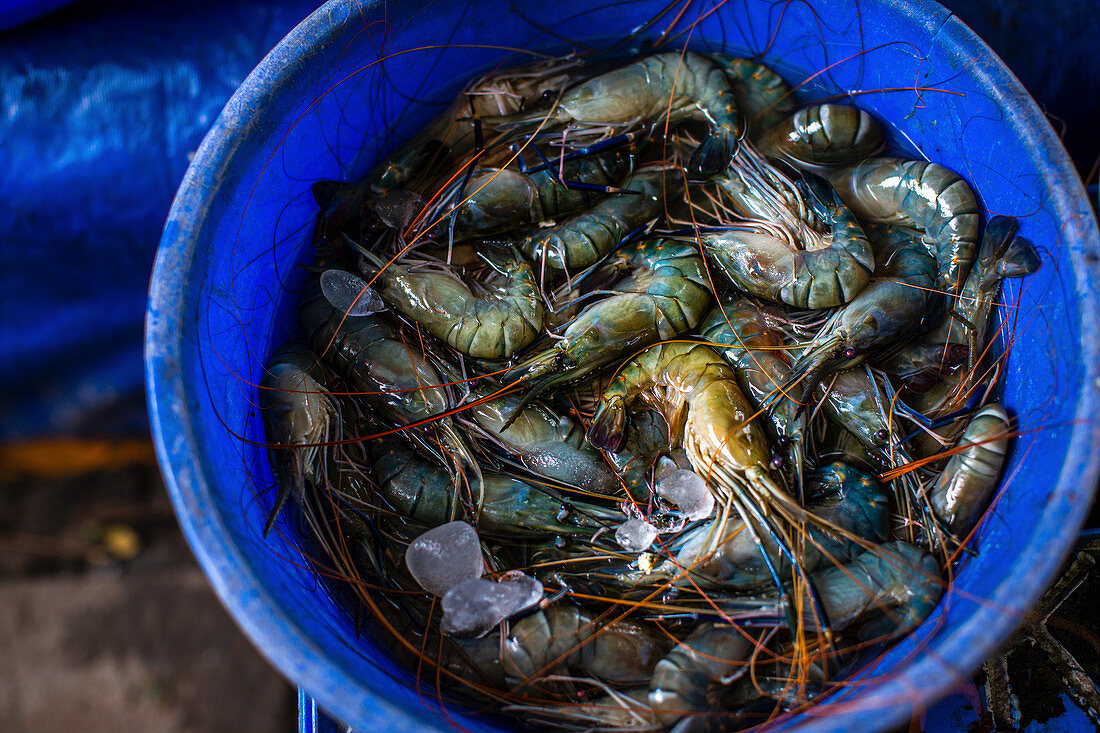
1020,258
713,154
607,428
999,231
339,203
289,470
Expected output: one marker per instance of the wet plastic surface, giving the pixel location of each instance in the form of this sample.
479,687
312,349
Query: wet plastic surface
223,295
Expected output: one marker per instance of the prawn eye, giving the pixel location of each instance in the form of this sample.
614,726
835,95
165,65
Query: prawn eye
881,434
783,441
849,353
777,462
564,511
560,542
548,95
564,361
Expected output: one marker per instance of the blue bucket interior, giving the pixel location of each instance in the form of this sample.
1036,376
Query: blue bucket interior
323,106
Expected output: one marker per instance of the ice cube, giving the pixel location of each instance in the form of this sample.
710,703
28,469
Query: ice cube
349,293
445,556
475,606
635,534
687,490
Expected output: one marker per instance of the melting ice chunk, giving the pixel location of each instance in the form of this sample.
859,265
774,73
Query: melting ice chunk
686,489
349,293
635,534
445,556
475,606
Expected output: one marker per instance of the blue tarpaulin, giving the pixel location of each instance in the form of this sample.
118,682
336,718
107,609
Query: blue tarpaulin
102,104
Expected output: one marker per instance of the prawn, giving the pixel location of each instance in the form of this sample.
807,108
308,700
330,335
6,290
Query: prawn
853,401
824,134
850,502
495,325
920,195
391,376
566,638
583,240
763,98
666,293
889,311
649,89
543,441
454,133
501,199
777,256
962,491
512,508
896,579
697,392
689,678
960,338
758,354
299,416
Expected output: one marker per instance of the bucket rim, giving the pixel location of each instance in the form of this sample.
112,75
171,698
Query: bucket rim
292,650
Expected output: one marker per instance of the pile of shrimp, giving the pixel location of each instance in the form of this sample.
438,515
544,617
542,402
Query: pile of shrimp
589,287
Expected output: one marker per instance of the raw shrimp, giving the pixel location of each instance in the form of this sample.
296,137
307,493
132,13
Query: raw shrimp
543,441
453,134
765,259
757,353
960,338
850,501
513,508
925,196
763,98
299,418
824,134
854,400
583,240
889,311
697,392
566,638
689,679
664,84
666,293
495,325
897,580
497,199
390,375
961,493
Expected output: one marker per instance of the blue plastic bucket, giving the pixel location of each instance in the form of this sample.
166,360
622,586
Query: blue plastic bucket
320,106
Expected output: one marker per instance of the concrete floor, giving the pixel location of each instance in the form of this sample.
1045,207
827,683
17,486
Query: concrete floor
107,623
